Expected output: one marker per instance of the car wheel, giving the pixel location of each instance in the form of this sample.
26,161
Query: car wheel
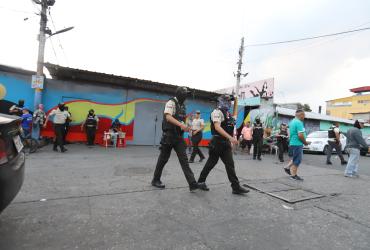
325,151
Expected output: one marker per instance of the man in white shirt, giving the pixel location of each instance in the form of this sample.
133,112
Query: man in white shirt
197,127
59,119
334,143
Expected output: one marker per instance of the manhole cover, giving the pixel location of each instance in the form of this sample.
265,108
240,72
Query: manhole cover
285,192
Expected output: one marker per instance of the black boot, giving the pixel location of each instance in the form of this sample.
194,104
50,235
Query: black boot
203,186
240,190
158,184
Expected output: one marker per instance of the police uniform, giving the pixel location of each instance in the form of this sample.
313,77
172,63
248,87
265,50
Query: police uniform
172,138
91,124
220,147
195,139
59,120
257,140
282,142
333,143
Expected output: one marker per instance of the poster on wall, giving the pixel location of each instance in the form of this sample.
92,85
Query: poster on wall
263,89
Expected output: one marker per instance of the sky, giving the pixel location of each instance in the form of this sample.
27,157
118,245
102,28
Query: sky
195,43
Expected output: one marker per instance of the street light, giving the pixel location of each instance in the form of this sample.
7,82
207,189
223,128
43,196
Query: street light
58,32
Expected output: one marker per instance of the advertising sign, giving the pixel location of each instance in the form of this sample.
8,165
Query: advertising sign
37,82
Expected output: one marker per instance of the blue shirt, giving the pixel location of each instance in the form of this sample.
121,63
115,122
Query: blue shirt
26,121
295,127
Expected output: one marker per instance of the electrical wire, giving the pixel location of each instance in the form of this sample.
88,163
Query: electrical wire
15,10
59,41
52,46
307,38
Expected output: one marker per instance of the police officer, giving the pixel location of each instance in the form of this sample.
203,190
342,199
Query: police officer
334,143
257,139
173,127
222,129
91,125
197,127
282,140
59,120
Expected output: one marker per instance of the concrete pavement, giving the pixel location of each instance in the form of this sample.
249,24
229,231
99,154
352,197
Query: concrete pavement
102,199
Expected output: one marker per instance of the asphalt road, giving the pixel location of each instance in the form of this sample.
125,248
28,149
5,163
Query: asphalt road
319,160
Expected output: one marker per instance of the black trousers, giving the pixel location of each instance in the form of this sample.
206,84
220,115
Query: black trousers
283,147
220,148
195,140
90,134
59,130
177,143
257,147
65,132
338,149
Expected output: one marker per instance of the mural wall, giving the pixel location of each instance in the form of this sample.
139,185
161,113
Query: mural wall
109,103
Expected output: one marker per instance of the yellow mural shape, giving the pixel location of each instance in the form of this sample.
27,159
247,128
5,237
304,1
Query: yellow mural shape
124,112
2,91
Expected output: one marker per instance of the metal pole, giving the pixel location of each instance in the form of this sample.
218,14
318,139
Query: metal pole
238,76
40,59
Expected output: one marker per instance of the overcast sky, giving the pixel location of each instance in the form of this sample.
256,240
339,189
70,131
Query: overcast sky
196,42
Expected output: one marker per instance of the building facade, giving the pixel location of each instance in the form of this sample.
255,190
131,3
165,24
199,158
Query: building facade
137,104
352,107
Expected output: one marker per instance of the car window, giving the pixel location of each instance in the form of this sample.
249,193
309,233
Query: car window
318,134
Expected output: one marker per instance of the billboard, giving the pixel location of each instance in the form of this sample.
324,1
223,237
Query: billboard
264,89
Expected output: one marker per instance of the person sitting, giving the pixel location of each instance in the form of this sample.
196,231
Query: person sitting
114,130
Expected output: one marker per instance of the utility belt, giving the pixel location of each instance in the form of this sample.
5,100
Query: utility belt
91,126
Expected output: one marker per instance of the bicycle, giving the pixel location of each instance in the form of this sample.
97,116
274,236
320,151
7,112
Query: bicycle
30,145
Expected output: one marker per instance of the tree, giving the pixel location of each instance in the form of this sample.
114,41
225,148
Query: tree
305,107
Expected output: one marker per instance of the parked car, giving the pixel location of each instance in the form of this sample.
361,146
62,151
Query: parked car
319,142
12,159
364,151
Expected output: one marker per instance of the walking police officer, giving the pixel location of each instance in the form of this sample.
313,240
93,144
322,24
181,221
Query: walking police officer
222,129
59,120
282,140
257,139
334,143
173,127
91,125
197,127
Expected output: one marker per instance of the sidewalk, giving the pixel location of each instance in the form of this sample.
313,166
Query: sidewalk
102,199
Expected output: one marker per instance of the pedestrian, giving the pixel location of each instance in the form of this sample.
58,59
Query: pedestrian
38,120
247,137
16,109
173,126
91,125
222,129
297,135
59,120
196,136
66,125
26,123
114,131
257,139
334,143
282,137
354,143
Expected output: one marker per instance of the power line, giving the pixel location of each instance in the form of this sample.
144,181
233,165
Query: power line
308,38
60,43
15,10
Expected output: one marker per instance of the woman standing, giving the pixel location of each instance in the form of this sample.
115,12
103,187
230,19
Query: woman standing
354,143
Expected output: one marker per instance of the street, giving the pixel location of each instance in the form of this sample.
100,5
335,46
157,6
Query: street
97,198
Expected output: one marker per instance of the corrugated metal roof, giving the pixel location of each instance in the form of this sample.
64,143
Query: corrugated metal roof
361,89
65,73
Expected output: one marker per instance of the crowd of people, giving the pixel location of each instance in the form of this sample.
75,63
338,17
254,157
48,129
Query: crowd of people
289,138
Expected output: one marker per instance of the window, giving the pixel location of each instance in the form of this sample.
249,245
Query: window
363,101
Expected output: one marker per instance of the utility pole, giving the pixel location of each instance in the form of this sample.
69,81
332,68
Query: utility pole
40,59
238,75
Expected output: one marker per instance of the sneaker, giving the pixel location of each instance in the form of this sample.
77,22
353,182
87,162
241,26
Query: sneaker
348,175
329,163
203,186
356,175
296,178
240,190
287,170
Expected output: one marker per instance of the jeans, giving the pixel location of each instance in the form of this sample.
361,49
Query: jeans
36,131
353,161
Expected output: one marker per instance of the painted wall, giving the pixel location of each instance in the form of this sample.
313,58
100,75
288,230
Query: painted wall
109,103
344,107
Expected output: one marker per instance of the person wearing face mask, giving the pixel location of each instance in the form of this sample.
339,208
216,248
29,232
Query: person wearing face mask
60,116
38,120
222,129
173,127
90,125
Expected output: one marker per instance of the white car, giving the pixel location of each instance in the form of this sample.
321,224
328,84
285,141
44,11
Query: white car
319,142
